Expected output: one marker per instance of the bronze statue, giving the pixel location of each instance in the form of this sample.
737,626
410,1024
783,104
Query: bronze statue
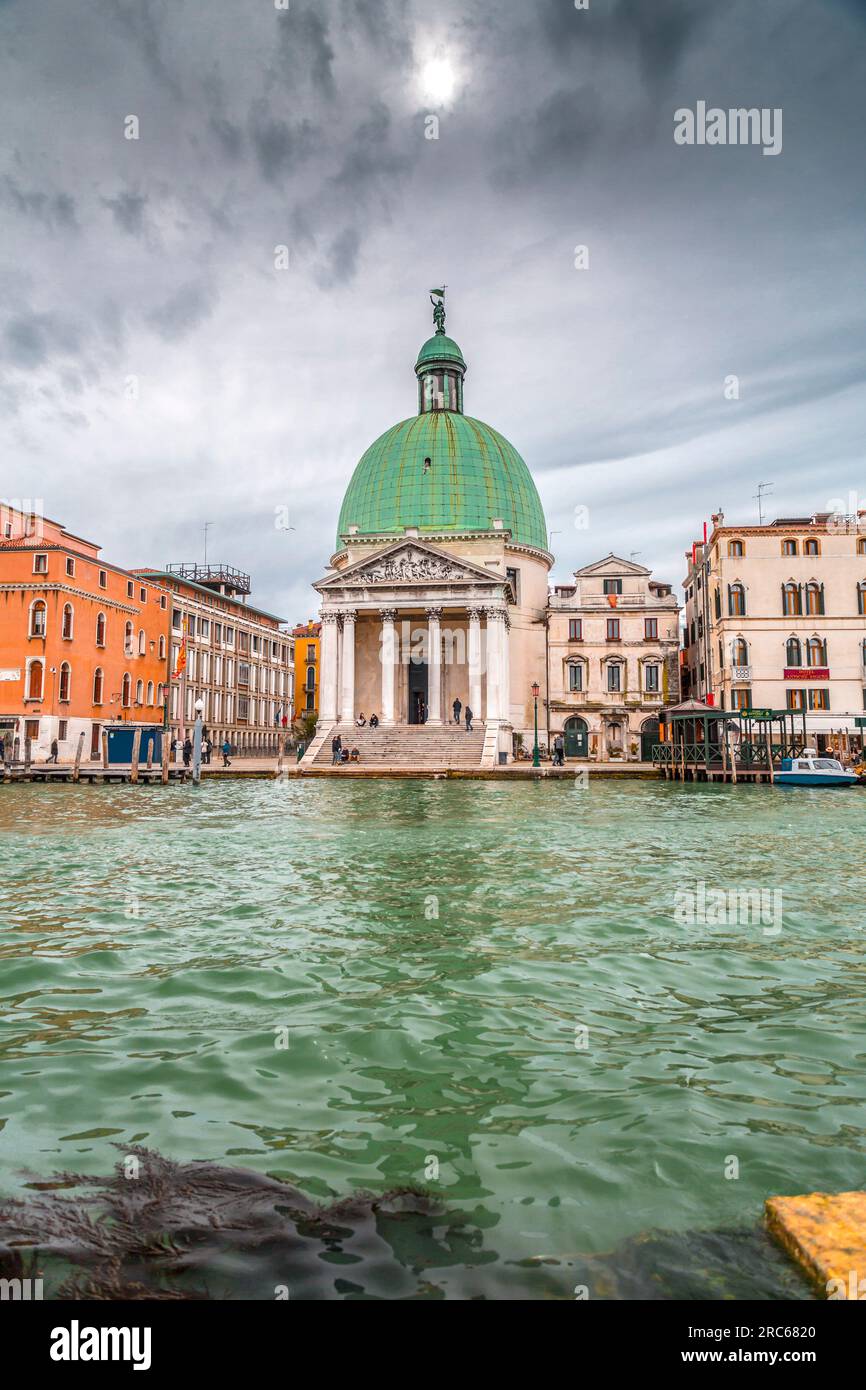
438,314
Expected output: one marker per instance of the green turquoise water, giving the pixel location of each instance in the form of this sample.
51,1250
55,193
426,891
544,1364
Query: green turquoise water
434,950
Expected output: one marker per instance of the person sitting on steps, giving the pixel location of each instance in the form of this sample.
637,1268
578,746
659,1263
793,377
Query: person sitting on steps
360,721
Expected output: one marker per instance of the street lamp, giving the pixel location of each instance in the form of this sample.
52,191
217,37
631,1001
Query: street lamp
196,741
536,690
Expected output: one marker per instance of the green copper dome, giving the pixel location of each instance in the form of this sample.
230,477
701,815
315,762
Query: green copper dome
440,348
474,477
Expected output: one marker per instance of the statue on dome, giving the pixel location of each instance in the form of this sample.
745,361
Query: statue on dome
438,310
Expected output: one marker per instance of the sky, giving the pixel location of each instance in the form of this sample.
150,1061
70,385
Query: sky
165,364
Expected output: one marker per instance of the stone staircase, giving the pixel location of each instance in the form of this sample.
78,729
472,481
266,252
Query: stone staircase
403,746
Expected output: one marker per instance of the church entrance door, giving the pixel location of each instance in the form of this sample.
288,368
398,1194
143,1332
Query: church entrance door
417,692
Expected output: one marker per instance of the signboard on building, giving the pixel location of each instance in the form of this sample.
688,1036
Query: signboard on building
806,673
10,675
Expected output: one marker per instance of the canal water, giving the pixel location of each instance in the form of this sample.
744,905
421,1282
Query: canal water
530,1001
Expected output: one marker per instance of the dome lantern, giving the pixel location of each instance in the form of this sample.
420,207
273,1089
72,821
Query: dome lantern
440,367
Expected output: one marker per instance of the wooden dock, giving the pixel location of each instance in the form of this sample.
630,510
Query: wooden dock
91,772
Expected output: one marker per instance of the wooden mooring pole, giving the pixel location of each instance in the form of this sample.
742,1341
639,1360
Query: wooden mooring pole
76,770
136,748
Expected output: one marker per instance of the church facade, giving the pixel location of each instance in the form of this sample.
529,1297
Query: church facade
438,587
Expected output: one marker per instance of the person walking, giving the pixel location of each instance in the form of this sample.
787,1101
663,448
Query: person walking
468,716
457,707
227,748
55,749
558,751
187,751
336,749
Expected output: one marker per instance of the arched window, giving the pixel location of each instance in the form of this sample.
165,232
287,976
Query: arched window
792,600
811,546
128,640
97,685
100,629
68,622
126,689
793,652
861,547
814,597
816,652
139,692
162,648
717,602
861,596
65,682
736,548
37,618
150,692
740,652
160,697
142,642
35,673
736,600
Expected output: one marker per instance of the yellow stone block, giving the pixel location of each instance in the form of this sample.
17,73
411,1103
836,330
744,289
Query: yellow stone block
826,1236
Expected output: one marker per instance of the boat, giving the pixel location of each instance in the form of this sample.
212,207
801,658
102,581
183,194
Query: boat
811,769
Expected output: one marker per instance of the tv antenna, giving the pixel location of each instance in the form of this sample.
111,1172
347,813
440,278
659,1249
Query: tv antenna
207,526
759,498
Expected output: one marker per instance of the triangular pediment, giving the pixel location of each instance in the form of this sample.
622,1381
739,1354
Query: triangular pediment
611,565
408,563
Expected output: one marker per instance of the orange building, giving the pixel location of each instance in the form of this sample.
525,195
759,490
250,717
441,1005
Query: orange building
307,639
83,644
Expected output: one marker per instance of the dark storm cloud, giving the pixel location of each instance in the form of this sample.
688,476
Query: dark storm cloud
184,311
31,339
142,22
128,211
341,260
279,147
657,34
305,48
54,210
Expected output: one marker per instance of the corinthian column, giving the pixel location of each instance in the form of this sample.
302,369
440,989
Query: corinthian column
495,630
387,655
348,667
434,667
474,661
505,670
328,675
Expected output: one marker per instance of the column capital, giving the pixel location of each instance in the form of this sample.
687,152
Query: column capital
434,614
474,614
349,615
496,613
387,614
329,618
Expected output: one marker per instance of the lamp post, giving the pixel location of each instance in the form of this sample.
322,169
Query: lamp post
196,741
536,760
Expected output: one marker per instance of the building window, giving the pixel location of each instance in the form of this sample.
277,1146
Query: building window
736,549
816,652
513,577
142,642
814,598
575,677
100,629
126,690
150,692
31,728
652,679
736,600
163,602
40,564
741,699
139,692
65,682
861,547
861,596
795,699
162,647
650,629
97,686
819,699
793,652
204,628
614,678
62,730
70,567
130,588
792,600
67,624
142,596
310,682
103,579
811,547
35,672
575,629
740,652
37,618
789,547
176,620
613,629
612,586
